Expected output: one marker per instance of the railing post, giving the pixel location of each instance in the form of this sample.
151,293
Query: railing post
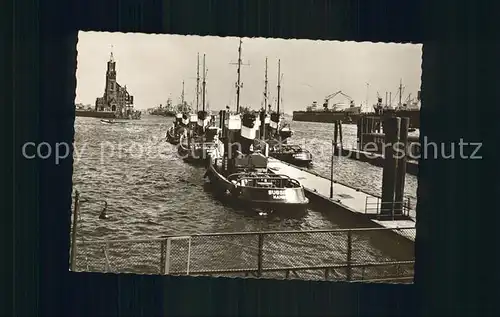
349,254
167,257
108,266
260,252
162,257
73,233
188,257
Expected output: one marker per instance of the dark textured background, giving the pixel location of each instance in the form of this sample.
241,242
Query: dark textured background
457,211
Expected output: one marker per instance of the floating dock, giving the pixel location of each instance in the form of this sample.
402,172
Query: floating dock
371,144
345,197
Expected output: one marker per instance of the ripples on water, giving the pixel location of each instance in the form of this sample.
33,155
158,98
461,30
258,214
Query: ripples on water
151,192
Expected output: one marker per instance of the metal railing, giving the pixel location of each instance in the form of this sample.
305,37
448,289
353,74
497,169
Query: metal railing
338,254
374,206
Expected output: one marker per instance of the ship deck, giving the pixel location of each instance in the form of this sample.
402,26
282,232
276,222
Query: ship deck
345,197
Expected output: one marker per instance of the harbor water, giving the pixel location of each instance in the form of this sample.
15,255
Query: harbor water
150,192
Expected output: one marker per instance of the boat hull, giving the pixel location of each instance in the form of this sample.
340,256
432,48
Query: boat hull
172,137
291,201
346,117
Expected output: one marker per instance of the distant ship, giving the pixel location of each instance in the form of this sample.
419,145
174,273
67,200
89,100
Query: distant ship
347,113
167,111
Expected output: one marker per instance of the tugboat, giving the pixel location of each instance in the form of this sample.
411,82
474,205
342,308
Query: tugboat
243,177
202,139
178,129
281,132
181,122
293,154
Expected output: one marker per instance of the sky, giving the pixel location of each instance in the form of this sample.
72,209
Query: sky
153,67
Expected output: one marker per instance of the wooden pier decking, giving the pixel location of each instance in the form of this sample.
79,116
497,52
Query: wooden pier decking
343,196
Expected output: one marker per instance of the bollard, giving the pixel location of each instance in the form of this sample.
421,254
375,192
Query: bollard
401,166
391,129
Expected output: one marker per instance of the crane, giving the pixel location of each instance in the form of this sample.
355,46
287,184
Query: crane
327,99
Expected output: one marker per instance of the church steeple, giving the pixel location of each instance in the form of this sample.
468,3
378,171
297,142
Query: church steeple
111,72
111,58
110,88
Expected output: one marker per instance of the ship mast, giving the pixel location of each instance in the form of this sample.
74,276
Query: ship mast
265,88
238,84
400,91
204,84
198,83
279,88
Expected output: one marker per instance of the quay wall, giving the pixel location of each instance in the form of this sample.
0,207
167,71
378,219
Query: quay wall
95,114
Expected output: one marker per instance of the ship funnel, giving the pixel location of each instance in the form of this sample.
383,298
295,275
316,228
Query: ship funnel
203,120
248,132
274,120
185,119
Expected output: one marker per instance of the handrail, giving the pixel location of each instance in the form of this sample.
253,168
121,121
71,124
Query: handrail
376,206
264,175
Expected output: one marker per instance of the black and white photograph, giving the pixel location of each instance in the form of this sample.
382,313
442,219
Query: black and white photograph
246,157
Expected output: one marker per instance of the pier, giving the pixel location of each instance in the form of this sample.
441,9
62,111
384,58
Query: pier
347,198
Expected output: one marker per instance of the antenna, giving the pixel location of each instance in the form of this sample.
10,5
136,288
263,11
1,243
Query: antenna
279,87
239,84
400,91
265,88
198,83
367,94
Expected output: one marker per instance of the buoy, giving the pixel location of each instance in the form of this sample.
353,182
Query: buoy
103,214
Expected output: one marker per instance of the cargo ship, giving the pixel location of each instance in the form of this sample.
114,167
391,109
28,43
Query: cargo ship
347,113
351,113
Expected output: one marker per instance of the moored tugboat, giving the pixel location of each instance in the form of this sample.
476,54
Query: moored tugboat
202,140
293,154
178,129
279,135
242,175
202,143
